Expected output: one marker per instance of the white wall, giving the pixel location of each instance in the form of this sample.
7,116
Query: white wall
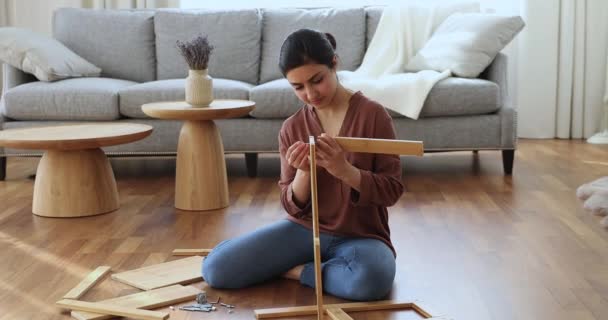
35,14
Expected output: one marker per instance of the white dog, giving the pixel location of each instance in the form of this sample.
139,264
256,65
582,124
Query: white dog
595,195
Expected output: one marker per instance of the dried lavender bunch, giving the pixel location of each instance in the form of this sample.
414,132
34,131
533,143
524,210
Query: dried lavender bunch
196,52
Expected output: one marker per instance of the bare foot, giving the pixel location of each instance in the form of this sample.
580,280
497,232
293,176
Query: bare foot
294,273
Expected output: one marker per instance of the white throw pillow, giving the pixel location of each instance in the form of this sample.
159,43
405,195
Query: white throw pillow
466,43
42,56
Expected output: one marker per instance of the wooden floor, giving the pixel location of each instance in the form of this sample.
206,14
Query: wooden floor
473,243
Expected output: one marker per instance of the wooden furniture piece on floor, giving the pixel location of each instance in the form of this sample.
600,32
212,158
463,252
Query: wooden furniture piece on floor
201,182
191,252
87,283
180,271
152,299
74,177
337,311
112,309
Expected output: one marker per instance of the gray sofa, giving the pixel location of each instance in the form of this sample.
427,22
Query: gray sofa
140,62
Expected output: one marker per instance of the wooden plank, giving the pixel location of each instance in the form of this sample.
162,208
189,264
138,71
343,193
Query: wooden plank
347,307
337,314
180,271
191,252
386,146
113,310
152,299
315,228
425,310
87,283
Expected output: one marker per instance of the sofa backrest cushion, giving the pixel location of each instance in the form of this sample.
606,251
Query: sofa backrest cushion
235,35
120,42
346,25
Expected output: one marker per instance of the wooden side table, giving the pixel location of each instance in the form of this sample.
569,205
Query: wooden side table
74,177
201,182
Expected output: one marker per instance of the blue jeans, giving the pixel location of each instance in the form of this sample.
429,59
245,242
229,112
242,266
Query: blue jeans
353,268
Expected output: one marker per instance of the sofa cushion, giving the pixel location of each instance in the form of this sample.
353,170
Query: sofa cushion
42,56
274,100
120,42
346,25
131,98
460,97
235,35
466,43
70,99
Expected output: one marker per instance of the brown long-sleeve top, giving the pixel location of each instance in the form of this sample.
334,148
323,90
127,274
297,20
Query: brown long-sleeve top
343,210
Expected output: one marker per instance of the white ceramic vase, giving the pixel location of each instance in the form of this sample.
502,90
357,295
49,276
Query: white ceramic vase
199,88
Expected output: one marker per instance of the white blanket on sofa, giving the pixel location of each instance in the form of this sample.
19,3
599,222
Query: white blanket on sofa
401,32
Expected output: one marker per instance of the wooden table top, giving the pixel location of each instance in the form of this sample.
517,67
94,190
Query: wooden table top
180,110
74,136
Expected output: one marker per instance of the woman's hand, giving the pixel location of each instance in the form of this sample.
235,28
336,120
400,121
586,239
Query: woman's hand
331,156
297,156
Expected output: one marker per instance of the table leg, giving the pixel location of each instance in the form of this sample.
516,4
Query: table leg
74,184
201,182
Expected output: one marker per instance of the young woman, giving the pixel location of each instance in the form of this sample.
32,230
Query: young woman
354,189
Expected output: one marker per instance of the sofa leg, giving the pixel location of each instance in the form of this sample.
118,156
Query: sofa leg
2,168
507,161
251,161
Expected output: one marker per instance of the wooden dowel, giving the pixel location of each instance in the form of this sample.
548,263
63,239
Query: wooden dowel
87,283
191,252
385,146
315,227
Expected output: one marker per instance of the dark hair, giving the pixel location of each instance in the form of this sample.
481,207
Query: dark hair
306,46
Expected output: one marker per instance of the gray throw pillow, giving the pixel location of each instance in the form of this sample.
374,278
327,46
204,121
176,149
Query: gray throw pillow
466,43
42,56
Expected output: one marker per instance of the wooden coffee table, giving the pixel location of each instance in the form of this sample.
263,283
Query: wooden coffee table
74,177
201,182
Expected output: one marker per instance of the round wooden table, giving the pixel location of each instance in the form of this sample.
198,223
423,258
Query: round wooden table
74,177
201,182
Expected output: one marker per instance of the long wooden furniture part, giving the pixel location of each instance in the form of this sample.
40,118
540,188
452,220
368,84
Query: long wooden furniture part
180,271
315,228
87,283
152,299
367,145
112,309
191,252
419,307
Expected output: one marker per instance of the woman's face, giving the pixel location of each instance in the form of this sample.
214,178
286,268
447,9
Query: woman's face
314,84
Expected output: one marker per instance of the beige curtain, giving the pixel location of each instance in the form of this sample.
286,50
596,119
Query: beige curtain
582,63
4,21
561,68
5,15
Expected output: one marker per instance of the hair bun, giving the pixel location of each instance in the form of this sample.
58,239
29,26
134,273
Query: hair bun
331,39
